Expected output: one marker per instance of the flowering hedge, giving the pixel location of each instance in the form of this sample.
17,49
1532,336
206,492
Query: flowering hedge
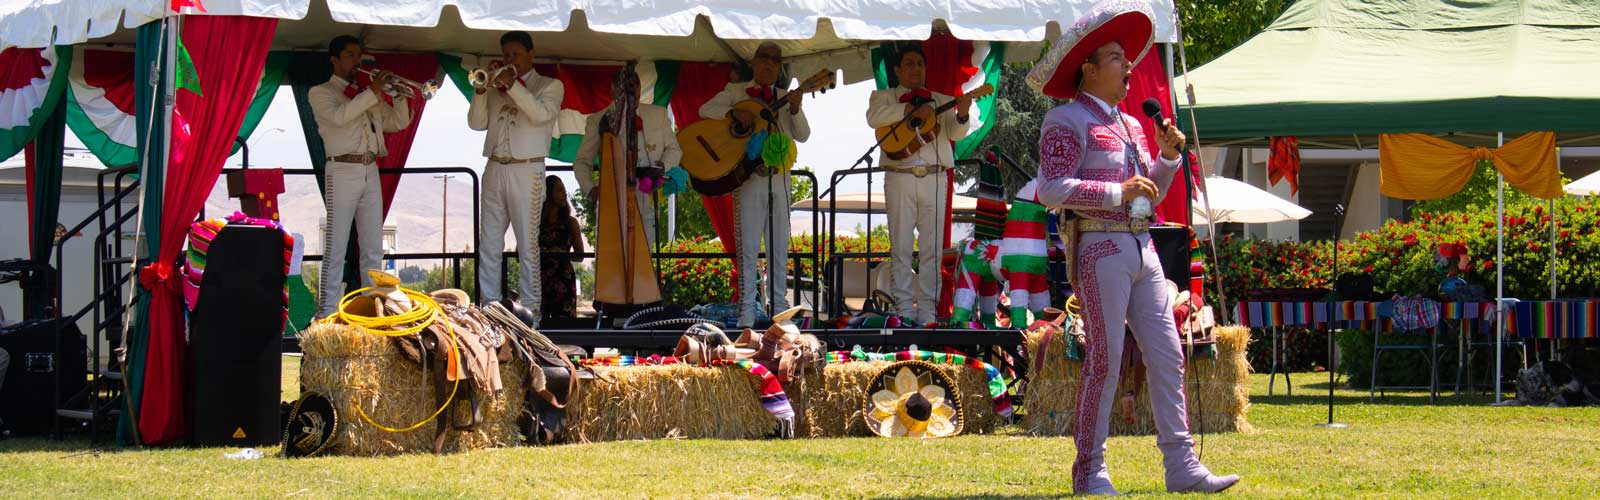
1399,255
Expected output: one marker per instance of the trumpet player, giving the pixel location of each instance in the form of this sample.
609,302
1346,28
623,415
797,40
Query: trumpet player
518,108
352,115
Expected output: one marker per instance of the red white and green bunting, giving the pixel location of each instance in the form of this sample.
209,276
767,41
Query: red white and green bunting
100,104
587,90
30,85
100,101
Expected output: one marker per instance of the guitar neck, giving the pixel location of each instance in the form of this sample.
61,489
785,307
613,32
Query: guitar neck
946,106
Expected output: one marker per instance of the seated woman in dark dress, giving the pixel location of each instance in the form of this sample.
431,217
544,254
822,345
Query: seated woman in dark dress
559,232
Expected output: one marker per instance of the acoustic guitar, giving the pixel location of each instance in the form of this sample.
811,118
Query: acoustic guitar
904,138
713,148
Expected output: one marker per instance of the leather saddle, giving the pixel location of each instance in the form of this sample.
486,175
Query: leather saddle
553,381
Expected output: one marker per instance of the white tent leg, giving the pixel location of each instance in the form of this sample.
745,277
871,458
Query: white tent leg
1499,271
1555,348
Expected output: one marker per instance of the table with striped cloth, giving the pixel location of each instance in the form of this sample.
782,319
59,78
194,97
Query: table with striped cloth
1554,319
1557,319
1354,313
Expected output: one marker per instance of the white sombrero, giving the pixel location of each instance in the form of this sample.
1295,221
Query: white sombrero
1127,22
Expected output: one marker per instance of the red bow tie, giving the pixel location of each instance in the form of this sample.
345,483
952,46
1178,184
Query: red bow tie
921,94
761,92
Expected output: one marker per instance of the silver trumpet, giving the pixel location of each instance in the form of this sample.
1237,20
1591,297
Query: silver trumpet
480,77
397,85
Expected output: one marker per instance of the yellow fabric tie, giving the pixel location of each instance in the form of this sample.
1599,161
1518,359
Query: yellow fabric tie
1424,167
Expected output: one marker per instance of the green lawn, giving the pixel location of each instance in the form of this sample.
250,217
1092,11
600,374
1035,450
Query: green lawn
1399,448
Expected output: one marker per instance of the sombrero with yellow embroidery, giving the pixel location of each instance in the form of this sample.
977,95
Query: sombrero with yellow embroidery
310,426
913,399
1127,22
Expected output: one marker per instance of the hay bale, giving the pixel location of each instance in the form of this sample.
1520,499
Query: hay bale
836,410
1217,389
348,364
669,401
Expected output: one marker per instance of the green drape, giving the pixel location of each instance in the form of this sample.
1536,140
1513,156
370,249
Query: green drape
148,53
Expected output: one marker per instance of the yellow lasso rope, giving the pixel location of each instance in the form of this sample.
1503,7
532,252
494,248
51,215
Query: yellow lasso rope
425,313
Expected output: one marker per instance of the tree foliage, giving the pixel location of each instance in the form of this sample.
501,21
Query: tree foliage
1211,28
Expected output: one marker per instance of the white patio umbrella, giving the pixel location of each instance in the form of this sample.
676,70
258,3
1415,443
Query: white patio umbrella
857,203
1235,201
1589,185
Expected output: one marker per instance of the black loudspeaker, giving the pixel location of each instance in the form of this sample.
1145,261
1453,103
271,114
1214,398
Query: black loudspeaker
236,340
1172,247
26,406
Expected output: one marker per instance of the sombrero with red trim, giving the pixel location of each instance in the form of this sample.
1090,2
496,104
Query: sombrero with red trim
1127,22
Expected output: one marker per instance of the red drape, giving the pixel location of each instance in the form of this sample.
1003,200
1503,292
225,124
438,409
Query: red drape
1150,80
586,87
949,65
229,53
698,83
417,67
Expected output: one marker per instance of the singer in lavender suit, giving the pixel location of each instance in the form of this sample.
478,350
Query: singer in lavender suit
1093,161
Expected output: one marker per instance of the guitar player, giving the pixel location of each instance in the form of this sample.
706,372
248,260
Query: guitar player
915,185
761,204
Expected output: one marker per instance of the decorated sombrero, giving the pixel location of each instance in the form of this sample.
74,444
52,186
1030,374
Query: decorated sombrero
1127,22
913,399
662,317
310,426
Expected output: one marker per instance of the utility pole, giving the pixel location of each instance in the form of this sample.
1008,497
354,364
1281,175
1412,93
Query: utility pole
444,216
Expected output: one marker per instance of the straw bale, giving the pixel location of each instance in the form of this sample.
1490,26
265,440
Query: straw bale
348,364
1217,390
669,401
836,410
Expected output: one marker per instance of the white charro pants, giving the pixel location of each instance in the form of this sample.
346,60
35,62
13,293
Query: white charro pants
513,196
916,214
751,212
352,195
647,212
1118,285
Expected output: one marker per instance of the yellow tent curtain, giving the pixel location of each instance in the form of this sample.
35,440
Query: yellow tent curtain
1424,167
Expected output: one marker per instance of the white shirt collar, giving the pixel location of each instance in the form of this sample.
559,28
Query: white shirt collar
1103,106
340,81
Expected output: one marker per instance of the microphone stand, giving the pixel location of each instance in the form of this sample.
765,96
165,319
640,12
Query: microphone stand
1338,211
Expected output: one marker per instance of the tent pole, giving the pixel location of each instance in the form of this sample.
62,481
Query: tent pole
1211,217
1554,221
1499,271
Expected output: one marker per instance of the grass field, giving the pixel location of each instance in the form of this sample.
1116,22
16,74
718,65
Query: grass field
1401,447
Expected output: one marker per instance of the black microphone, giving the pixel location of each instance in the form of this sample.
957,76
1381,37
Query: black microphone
1152,109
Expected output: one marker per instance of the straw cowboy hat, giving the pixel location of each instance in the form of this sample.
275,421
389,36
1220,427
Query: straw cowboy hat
1127,22
913,399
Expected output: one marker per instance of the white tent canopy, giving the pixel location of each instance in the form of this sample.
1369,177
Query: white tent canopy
856,203
1589,185
814,33
1235,201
